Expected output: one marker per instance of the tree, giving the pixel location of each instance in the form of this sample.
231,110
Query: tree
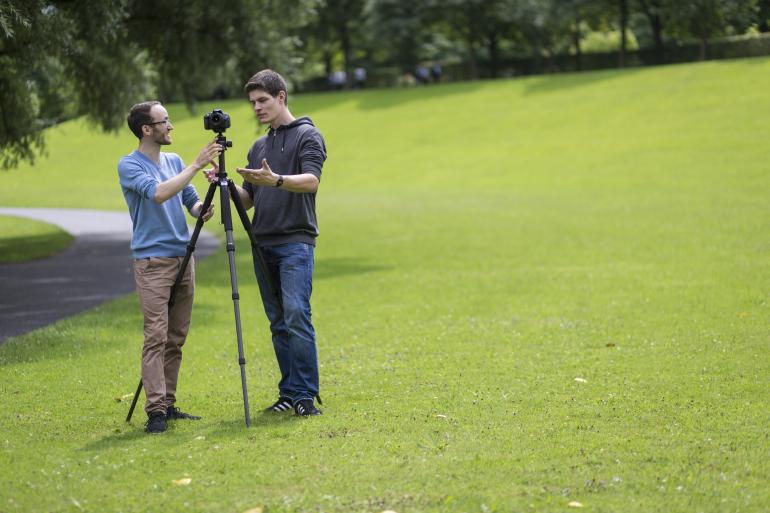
399,29
763,15
623,26
85,51
335,28
577,16
705,19
97,57
478,24
653,11
556,25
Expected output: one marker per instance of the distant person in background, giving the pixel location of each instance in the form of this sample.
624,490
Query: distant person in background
422,74
435,72
338,80
359,78
156,186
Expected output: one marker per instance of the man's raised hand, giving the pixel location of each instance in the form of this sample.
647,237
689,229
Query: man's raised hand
207,154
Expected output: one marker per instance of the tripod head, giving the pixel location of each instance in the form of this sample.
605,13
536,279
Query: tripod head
222,140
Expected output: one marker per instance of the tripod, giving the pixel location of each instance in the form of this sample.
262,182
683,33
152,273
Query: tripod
228,192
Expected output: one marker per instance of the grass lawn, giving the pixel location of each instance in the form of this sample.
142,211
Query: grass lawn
24,239
528,293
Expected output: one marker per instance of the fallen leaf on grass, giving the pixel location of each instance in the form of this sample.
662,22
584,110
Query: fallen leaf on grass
581,380
182,482
440,416
575,504
610,344
254,510
122,398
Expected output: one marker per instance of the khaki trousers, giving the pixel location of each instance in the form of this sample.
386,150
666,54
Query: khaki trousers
164,331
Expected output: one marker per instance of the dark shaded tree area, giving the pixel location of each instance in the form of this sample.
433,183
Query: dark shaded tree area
65,58
95,58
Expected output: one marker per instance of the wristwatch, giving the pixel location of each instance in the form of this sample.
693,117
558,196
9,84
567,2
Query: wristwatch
280,181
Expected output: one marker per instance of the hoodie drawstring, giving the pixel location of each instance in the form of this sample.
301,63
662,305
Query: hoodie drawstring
274,133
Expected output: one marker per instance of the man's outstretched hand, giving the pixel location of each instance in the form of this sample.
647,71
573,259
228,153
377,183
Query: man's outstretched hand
261,176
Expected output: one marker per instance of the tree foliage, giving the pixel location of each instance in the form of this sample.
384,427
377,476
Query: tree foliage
706,19
94,58
60,59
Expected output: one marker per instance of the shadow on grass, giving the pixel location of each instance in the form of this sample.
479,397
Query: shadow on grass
555,83
26,248
81,335
88,333
377,99
134,432
234,427
217,271
327,268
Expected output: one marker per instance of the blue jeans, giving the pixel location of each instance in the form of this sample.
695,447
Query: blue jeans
290,267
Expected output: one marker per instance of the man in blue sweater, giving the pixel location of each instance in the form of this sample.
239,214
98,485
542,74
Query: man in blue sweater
156,186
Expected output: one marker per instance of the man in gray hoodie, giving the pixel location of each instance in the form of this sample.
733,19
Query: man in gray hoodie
281,181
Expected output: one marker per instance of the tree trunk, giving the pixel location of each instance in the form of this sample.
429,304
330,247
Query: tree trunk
344,35
703,42
657,32
328,62
494,57
578,50
656,26
623,4
472,64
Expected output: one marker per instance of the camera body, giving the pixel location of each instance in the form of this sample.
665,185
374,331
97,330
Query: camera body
217,121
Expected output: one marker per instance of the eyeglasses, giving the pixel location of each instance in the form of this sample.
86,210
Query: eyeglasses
167,122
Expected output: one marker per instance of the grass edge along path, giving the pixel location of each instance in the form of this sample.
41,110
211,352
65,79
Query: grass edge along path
23,240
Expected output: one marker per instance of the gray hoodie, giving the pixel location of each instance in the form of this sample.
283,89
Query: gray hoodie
281,216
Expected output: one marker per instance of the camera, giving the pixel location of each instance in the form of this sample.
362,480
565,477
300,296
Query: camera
216,121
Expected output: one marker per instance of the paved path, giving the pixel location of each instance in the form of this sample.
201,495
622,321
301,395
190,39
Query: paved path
96,267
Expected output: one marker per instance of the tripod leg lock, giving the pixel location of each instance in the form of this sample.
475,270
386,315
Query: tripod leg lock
230,247
242,361
236,296
191,248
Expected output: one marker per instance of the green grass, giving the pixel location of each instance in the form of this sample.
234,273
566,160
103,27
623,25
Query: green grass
22,239
482,246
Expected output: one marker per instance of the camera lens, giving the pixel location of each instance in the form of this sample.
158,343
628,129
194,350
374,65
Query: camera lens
217,120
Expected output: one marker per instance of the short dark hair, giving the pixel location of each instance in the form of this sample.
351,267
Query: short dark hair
269,81
140,115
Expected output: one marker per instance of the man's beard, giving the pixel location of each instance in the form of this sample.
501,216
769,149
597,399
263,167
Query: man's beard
163,140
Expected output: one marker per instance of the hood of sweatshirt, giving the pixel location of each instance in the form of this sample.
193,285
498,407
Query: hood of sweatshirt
281,131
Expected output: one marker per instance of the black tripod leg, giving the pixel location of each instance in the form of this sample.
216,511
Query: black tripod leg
228,222
254,244
193,239
133,403
180,274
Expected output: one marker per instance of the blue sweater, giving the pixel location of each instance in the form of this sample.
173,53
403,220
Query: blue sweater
159,230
